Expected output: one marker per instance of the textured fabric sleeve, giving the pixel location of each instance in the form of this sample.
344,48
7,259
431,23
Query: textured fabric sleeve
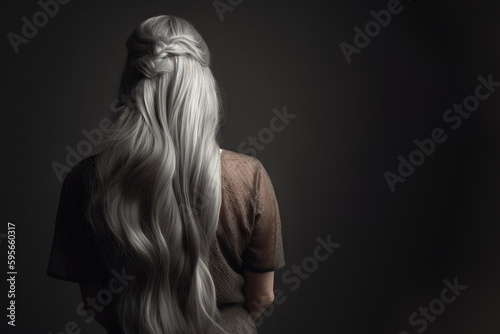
265,251
70,257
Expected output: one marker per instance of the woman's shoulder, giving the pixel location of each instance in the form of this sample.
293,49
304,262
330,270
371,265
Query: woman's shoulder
240,174
238,161
82,172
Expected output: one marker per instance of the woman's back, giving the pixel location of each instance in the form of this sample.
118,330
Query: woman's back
248,235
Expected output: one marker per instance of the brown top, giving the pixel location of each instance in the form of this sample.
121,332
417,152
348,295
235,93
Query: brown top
248,234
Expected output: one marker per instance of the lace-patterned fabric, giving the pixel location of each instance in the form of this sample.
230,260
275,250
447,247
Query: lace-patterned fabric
248,234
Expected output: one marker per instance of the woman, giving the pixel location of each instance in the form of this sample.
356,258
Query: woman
164,231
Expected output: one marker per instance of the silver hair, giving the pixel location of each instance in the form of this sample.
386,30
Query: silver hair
158,189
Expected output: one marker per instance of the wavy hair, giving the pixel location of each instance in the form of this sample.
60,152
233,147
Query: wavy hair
158,190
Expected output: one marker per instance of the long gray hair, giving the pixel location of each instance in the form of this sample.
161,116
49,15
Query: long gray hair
159,181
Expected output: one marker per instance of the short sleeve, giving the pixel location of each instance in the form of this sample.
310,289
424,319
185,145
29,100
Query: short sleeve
71,259
265,250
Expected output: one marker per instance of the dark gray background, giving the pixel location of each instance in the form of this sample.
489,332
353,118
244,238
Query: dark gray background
327,165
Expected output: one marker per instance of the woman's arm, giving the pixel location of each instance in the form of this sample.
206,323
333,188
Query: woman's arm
258,291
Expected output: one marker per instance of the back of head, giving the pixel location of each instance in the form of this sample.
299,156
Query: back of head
157,198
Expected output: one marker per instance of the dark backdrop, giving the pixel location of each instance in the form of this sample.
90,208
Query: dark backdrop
327,165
